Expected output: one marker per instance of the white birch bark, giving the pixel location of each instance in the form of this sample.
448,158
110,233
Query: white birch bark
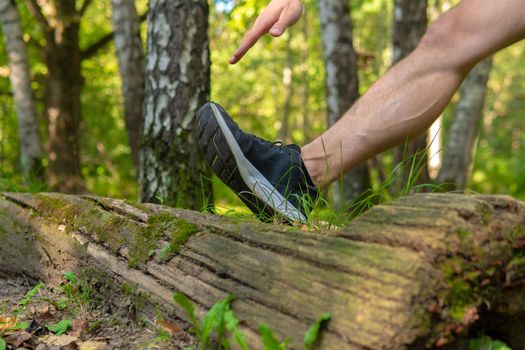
31,149
342,86
177,84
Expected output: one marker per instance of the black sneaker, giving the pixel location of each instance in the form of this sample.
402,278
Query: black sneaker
270,178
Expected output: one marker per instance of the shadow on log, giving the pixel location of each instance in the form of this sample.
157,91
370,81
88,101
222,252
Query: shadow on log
421,272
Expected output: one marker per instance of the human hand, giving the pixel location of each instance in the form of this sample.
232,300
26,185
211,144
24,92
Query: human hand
274,19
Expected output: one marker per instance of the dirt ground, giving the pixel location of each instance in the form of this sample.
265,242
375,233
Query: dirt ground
24,322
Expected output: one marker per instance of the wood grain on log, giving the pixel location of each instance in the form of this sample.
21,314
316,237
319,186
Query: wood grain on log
423,270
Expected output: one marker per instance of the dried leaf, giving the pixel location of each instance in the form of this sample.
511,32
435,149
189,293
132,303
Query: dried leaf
17,338
7,322
168,327
79,327
62,340
92,345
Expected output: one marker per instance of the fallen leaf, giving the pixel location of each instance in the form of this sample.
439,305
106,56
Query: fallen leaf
7,322
17,338
58,340
168,327
79,327
92,345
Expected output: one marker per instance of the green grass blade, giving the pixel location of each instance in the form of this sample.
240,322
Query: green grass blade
312,334
70,276
232,326
187,305
268,339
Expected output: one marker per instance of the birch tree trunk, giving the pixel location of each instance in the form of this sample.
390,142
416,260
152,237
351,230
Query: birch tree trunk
130,54
31,152
177,84
463,135
409,26
342,85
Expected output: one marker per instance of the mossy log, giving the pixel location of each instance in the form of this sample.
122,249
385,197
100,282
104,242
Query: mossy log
424,271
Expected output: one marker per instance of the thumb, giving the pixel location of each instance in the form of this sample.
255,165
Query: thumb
288,17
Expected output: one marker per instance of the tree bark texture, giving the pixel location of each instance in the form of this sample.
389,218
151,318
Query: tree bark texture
342,85
130,54
31,150
422,271
177,84
409,26
463,135
62,56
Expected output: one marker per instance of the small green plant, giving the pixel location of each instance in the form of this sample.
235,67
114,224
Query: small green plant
27,298
221,324
61,327
487,343
73,290
3,345
219,320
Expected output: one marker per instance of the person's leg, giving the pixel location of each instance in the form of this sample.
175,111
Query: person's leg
409,97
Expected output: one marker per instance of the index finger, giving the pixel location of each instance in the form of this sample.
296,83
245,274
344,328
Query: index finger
262,26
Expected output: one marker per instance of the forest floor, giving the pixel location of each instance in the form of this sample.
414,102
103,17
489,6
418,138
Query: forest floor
35,316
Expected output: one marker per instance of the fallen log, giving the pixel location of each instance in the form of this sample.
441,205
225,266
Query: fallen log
424,271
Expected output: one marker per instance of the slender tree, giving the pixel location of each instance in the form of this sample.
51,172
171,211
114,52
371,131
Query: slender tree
461,141
31,149
409,26
288,87
177,84
60,24
130,54
342,86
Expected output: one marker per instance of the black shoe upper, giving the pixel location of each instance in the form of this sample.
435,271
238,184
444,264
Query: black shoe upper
280,164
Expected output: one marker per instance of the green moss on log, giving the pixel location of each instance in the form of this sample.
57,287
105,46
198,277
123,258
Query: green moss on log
57,209
179,231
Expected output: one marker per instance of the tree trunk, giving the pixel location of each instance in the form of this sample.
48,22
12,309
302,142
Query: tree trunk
131,63
422,271
289,90
342,86
31,150
177,84
62,56
461,143
409,26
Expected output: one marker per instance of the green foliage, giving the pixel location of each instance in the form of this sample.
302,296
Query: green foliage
486,343
313,333
221,323
61,327
187,305
28,297
3,345
269,340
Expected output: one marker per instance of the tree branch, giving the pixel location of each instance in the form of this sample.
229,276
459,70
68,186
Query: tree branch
36,10
93,49
84,7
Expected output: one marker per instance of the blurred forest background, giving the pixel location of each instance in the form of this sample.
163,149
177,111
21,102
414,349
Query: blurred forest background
278,91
